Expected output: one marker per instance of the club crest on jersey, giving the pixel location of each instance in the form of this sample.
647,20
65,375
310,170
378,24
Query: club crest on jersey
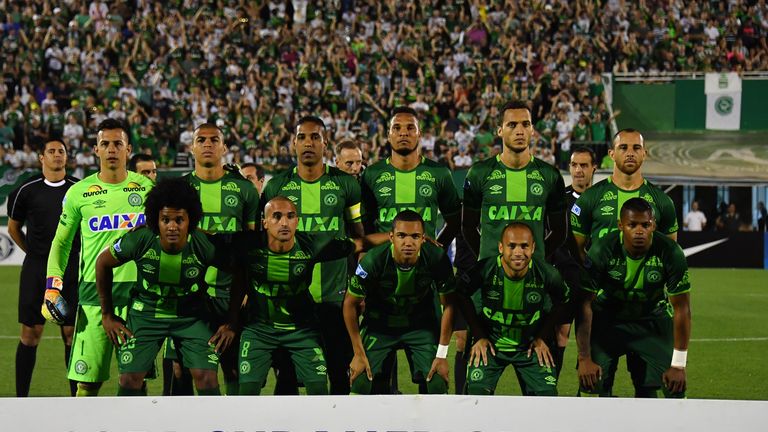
330,185
231,201
535,175
653,276
330,200
537,189
496,175
298,269
94,190
608,196
135,199
387,176
192,272
114,222
231,187
425,191
533,297
426,176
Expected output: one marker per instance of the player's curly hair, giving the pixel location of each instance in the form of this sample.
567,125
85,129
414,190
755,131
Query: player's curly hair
174,193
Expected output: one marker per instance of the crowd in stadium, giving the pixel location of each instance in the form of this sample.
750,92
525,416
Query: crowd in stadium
254,68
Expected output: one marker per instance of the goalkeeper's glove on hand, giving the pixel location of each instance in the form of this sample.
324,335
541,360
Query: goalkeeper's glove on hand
55,308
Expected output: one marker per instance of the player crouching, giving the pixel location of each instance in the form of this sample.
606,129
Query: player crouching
171,256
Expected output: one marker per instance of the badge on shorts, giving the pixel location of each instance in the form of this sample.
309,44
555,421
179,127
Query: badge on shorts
81,367
476,375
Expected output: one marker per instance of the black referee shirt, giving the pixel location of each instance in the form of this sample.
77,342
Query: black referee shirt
37,204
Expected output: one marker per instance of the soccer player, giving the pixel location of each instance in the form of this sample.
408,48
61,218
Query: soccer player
171,256
407,180
328,203
349,158
596,211
143,164
230,204
253,173
513,186
277,266
582,167
398,283
522,299
36,204
102,206
645,307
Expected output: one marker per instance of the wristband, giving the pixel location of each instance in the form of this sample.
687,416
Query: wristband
442,351
679,359
54,282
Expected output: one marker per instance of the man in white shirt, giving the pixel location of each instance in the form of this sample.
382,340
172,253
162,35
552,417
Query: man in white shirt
695,219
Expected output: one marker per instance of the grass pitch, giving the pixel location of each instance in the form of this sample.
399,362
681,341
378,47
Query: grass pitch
729,343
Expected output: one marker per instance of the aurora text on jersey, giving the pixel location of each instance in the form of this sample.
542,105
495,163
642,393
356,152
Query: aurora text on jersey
103,212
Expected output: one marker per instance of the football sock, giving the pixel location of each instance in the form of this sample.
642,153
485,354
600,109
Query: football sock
72,383
316,388
25,363
249,389
559,354
460,372
232,388
437,385
122,391
209,392
86,392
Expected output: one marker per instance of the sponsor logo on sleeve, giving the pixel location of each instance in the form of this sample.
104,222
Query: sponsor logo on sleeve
361,271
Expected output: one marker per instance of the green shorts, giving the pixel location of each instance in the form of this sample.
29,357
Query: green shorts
189,334
91,348
258,343
534,380
169,350
651,341
420,347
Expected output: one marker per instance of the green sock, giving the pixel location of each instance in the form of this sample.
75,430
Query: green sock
214,391
84,392
122,391
250,389
232,388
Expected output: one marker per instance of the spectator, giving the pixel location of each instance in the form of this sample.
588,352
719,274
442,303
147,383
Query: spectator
695,219
729,222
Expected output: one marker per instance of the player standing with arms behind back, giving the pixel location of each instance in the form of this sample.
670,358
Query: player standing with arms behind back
230,204
37,204
328,204
103,206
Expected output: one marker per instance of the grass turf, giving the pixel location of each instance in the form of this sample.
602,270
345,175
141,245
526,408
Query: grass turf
728,342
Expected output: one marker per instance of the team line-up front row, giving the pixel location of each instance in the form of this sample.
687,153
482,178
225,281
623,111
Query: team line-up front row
183,259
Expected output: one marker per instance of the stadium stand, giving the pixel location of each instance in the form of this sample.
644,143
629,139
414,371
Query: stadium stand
255,67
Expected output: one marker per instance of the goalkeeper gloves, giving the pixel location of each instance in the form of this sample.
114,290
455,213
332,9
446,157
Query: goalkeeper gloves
55,308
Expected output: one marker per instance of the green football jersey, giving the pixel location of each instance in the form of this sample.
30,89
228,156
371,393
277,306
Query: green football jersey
102,212
635,289
597,211
512,310
396,297
230,204
325,207
168,285
502,195
387,191
278,293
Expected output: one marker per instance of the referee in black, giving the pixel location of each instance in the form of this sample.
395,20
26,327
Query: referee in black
37,204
